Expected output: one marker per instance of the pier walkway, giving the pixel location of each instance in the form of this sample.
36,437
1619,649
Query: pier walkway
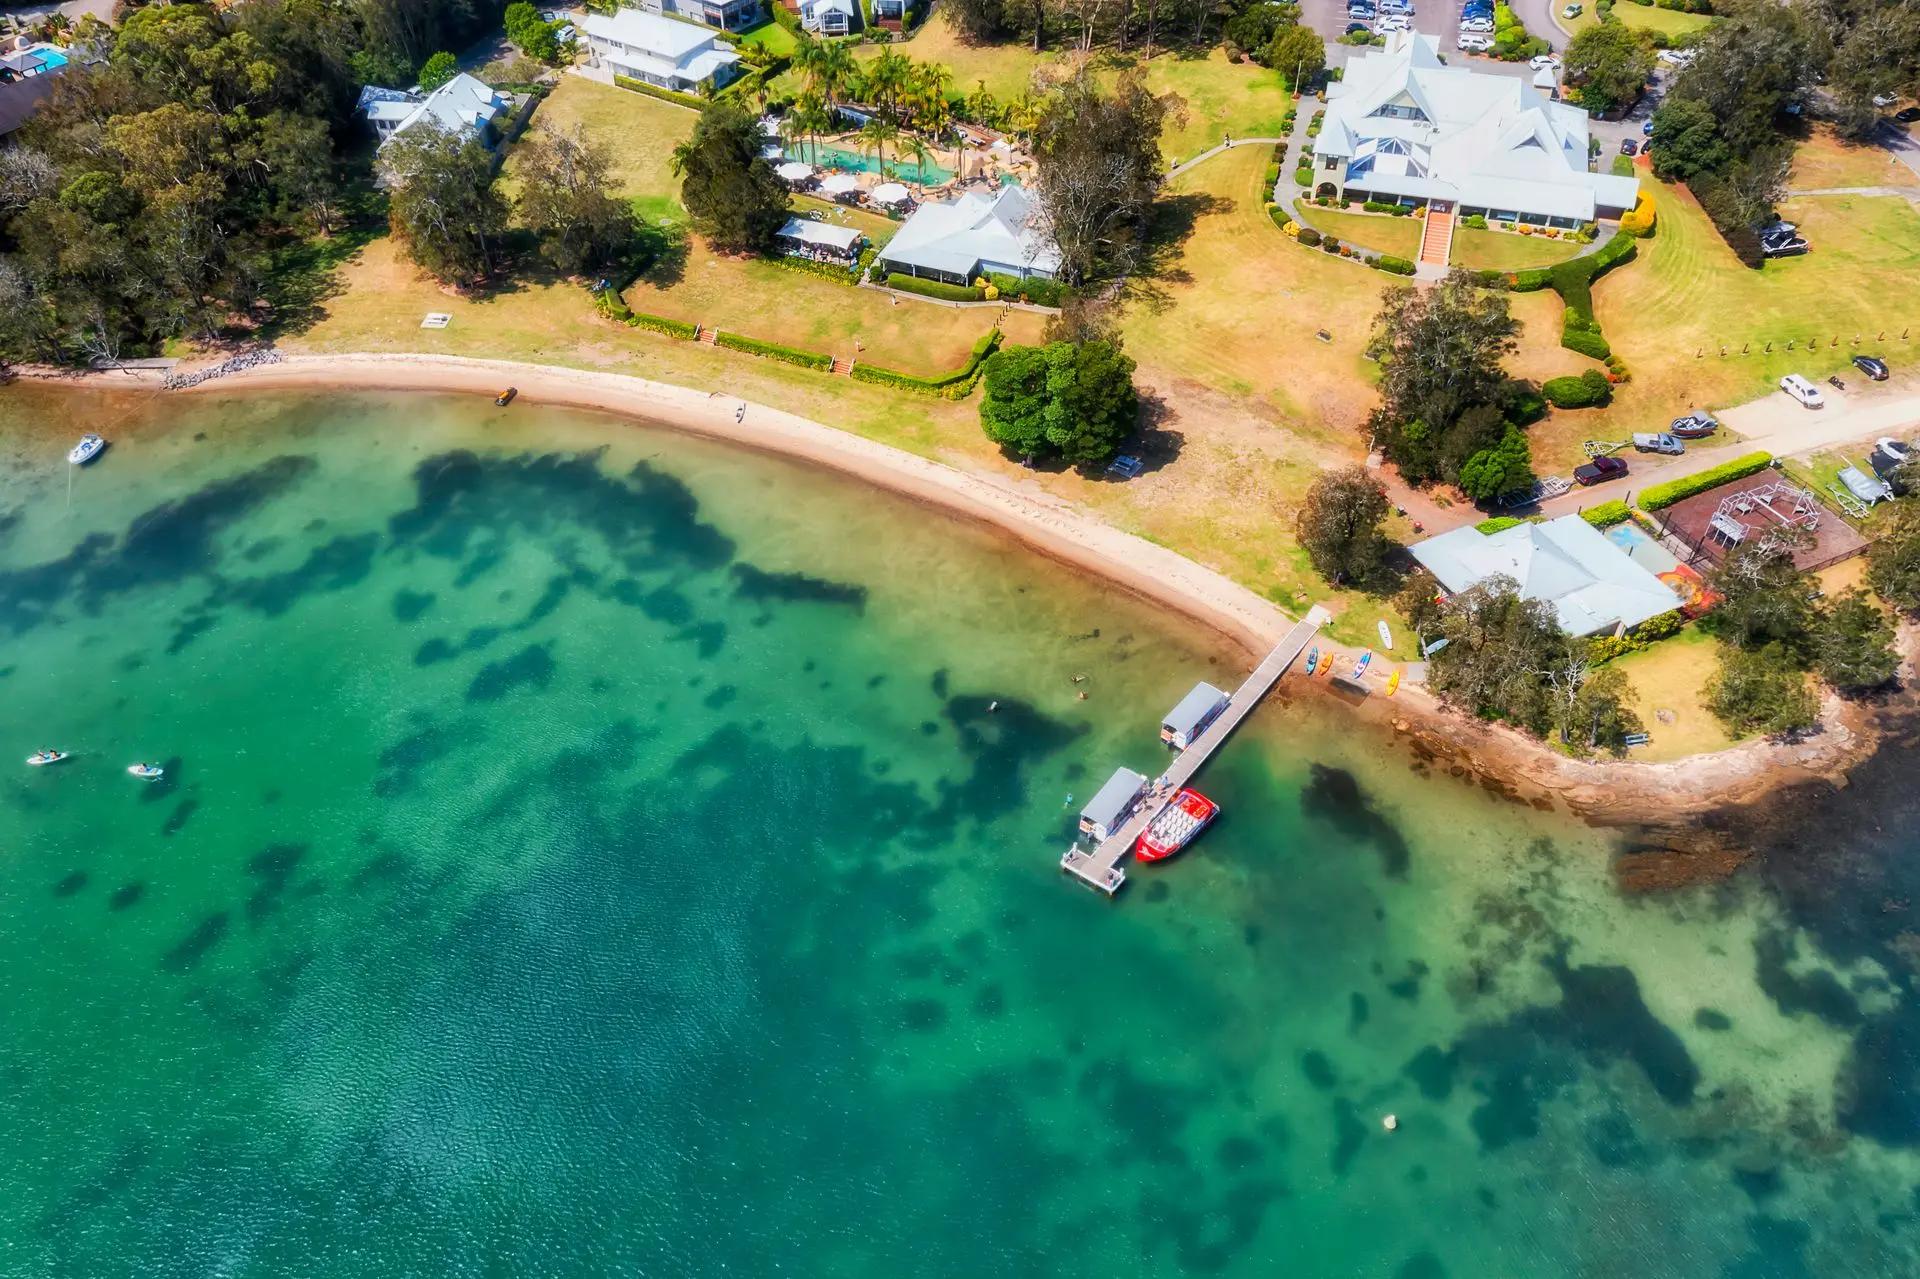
1100,867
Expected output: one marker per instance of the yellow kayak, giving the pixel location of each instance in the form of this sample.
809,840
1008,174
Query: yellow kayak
1393,684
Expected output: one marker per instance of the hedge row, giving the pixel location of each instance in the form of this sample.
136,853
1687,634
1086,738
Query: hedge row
839,273
774,351
1582,333
655,91
614,307
935,289
1607,514
1688,486
1381,206
1398,266
952,386
1036,290
1605,648
1498,524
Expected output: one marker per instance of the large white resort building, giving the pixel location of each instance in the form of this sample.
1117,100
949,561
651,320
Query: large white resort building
976,233
660,51
1402,127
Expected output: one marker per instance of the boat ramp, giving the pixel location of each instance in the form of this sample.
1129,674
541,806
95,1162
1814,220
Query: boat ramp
1101,866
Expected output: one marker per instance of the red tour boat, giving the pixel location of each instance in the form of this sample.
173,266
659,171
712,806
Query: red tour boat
1176,825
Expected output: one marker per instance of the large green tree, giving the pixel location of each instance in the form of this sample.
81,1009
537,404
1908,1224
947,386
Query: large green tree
1504,470
1499,646
1761,690
1098,162
1853,644
735,198
563,198
1299,54
1893,558
1072,400
1338,524
1610,64
1765,599
1440,351
446,208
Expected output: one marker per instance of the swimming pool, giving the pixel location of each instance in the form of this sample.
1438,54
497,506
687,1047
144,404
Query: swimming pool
53,58
1642,549
928,174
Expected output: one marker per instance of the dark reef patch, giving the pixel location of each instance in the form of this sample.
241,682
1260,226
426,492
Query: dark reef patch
1358,1011
1421,1265
1818,992
923,1014
126,895
411,606
191,949
1318,1070
1333,795
336,565
1432,1071
1712,1019
1348,1134
71,883
401,763
271,869
1001,738
720,696
178,818
760,586
532,667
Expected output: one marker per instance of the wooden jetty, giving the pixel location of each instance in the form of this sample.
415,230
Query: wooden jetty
1101,867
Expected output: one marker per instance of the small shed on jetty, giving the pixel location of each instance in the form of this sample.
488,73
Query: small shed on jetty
1108,810
1190,718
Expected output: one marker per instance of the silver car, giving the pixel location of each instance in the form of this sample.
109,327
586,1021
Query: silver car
1661,443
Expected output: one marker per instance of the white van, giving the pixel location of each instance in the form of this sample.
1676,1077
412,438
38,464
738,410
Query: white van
1802,390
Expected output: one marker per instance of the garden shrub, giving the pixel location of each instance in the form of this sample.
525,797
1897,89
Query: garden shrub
1330,245
1607,514
1639,221
952,386
773,351
1605,648
838,273
935,289
1689,485
665,95
1478,221
1587,342
1272,177
1398,266
1278,215
1529,280
661,324
1491,278
1498,524
1588,390
1309,237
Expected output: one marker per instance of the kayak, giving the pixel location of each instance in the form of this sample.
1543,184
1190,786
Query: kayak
1361,668
40,759
1393,685
1313,661
1386,637
146,772
1326,667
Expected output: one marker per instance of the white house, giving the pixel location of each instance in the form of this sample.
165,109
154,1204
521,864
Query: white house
660,51
726,15
1404,128
959,240
461,105
1593,585
829,17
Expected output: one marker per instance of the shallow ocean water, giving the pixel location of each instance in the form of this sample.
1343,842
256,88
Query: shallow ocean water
588,850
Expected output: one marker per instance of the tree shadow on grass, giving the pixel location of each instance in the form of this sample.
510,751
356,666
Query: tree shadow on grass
303,275
1163,251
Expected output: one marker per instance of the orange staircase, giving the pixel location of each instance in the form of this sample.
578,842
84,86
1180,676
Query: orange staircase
842,367
706,336
1436,241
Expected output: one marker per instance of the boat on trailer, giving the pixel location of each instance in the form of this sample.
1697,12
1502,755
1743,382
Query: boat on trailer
1175,826
89,447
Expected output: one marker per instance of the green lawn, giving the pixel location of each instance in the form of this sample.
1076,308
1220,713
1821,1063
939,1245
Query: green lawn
1508,250
1381,232
1668,22
771,36
640,133
1671,676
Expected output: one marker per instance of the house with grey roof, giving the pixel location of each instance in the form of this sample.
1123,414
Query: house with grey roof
1594,586
463,105
1402,127
660,51
957,241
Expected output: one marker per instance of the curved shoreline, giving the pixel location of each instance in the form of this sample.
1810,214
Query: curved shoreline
1496,757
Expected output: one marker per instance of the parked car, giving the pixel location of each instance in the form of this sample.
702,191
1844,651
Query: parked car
1884,99
1907,115
1660,443
1778,227
1802,390
1792,248
1544,62
1871,365
1629,147
1358,28
1477,24
1599,471
1896,452
1646,128
1473,43
1696,425
1395,23
1573,11
1886,466
1676,57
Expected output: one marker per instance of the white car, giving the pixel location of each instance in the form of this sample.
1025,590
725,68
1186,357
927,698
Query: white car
1802,390
1545,62
1884,99
1393,24
1677,57
1475,44
1477,24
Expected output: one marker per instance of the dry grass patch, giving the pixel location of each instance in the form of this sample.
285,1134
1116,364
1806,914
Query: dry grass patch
1824,161
1381,232
1507,250
639,133
1672,676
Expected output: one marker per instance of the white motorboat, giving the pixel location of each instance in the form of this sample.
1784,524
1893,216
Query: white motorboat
146,772
86,450
40,759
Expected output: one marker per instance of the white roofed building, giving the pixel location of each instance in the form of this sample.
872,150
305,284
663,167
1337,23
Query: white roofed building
660,51
1593,585
461,105
821,241
1402,127
959,240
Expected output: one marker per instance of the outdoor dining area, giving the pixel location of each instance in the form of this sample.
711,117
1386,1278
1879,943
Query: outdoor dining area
820,241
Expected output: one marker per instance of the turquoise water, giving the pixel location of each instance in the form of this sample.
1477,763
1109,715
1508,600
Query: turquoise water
591,851
930,173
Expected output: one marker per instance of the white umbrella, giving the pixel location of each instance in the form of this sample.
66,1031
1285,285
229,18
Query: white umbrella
794,171
839,184
889,193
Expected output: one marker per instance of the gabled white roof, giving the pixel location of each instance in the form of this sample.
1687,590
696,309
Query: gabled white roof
462,104
956,235
1482,140
1592,584
825,234
649,33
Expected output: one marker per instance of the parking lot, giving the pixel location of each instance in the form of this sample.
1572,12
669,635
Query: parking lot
1439,18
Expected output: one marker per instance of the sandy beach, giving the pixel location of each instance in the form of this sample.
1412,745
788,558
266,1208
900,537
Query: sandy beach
1496,757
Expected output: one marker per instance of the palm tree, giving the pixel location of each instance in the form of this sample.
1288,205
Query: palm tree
811,118
922,155
875,137
931,82
887,75
832,70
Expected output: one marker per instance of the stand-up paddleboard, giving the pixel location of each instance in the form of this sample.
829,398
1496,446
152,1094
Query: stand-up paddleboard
1361,668
1386,637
